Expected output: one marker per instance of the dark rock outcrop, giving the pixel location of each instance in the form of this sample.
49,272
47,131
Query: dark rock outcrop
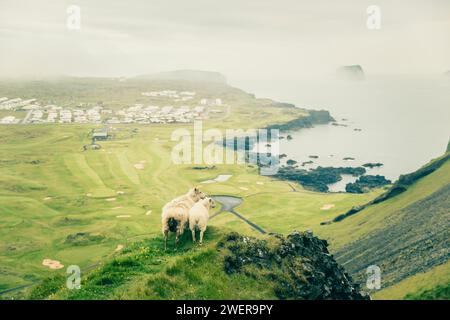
365,183
314,117
299,266
372,165
319,178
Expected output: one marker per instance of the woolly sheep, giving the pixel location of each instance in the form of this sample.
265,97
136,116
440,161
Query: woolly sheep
175,214
199,215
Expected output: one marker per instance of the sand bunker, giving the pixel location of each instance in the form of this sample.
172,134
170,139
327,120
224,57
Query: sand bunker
120,192
47,198
243,188
111,199
219,178
52,264
88,194
327,206
260,183
223,177
123,216
149,212
115,208
139,166
119,247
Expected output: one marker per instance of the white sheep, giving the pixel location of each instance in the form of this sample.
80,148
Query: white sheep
199,216
175,214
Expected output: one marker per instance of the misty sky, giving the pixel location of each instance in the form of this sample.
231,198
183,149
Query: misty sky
244,39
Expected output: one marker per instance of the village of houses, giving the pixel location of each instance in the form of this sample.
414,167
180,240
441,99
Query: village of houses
37,113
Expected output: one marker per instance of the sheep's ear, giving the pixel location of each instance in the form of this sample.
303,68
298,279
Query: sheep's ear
195,189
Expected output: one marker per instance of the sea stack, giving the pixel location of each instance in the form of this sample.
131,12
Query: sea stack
353,72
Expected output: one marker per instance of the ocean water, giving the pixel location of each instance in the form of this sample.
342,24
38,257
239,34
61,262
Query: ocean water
404,122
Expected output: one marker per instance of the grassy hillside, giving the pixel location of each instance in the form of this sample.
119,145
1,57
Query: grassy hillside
145,271
100,209
405,235
440,292
52,190
414,285
58,202
230,266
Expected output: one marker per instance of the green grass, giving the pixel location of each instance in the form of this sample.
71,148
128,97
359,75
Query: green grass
421,282
144,270
440,292
405,235
374,217
50,189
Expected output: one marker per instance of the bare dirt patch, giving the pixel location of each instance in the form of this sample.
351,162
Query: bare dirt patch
327,206
139,166
52,264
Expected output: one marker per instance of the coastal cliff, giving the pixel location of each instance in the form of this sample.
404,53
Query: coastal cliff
353,72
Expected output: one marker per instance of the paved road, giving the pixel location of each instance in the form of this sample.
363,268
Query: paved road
228,204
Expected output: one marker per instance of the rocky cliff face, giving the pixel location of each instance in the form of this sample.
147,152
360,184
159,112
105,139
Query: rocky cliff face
299,266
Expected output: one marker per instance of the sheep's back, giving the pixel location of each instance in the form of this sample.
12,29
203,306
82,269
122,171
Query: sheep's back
197,212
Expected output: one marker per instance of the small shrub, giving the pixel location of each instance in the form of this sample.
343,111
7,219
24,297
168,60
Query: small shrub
47,287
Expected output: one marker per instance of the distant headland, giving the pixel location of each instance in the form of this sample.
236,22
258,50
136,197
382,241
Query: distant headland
353,72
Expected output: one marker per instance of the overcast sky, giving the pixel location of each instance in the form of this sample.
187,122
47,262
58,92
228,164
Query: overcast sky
243,39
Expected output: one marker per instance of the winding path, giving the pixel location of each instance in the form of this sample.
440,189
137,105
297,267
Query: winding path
228,204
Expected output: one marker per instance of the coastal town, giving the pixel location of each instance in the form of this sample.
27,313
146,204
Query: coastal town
31,111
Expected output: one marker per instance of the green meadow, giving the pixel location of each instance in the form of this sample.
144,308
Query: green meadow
51,188
89,208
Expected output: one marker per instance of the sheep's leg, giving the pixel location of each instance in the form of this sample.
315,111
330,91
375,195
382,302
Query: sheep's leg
165,234
177,237
192,227
201,235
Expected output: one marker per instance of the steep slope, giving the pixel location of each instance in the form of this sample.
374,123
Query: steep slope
230,266
404,232
441,292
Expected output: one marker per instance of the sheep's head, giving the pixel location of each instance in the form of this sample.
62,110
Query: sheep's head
211,203
196,194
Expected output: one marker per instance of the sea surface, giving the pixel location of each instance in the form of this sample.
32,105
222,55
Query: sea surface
400,121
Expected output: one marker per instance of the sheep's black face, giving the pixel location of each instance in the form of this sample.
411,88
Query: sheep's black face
212,203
